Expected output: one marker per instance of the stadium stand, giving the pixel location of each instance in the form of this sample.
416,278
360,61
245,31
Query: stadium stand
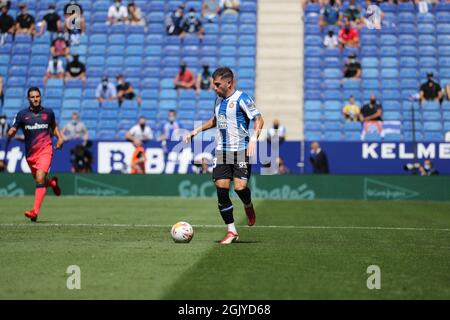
395,61
148,58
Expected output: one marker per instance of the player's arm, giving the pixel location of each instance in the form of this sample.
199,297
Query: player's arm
57,133
211,123
258,125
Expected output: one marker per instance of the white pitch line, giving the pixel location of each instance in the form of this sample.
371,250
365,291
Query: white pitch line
100,225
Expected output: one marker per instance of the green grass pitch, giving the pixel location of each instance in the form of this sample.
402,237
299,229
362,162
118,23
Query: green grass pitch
297,250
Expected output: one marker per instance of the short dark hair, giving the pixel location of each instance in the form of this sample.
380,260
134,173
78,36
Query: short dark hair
224,73
33,89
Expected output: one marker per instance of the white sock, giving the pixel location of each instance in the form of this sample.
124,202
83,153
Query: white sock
232,228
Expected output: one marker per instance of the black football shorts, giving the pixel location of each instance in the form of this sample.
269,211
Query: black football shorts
229,165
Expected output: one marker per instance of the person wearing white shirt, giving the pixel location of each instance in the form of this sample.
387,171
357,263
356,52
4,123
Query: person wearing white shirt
139,133
330,40
117,13
55,69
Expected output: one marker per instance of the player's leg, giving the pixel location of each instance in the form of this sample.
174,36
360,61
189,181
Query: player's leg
242,170
39,193
244,193
222,175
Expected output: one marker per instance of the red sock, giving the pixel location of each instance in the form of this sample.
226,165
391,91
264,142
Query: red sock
39,196
50,183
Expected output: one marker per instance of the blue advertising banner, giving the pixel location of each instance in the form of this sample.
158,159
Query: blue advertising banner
180,158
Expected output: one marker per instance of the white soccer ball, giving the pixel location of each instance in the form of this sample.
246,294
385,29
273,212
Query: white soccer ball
182,232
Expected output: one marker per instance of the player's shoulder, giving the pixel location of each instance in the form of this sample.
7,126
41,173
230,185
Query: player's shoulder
245,98
47,110
22,112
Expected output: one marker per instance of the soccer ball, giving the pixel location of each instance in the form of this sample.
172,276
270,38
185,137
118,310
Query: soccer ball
182,232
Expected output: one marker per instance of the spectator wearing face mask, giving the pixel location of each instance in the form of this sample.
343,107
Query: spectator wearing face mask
204,79
51,22
276,132
170,130
125,91
139,133
330,40
55,69
192,24
348,36
430,90
318,159
427,169
330,14
6,24
174,20
117,13
75,69
25,21
184,78
371,111
353,13
106,91
352,69
75,129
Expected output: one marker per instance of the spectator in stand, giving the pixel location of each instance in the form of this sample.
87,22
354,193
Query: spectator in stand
55,69
6,25
184,79
2,96
353,13
447,90
106,91
230,6
348,36
318,159
331,40
371,111
51,22
135,15
140,133
170,130
174,20
204,79
192,24
276,132
60,47
352,68
75,70
4,127
210,9
125,91
25,21
74,22
351,110
75,130
430,90
427,169
282,168
117,13
330,14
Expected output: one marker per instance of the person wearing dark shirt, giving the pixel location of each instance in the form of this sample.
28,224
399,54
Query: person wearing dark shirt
6,25
204,79
125,91
75,69
192,24
353,13
39,126
174,20
51,21
352,68
25,21
430,90
371,111
318,159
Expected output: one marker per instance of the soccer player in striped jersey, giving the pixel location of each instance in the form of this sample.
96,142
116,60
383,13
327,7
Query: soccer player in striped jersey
233,111
38,125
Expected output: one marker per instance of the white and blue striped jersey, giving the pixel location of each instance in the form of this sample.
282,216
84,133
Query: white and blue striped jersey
233,116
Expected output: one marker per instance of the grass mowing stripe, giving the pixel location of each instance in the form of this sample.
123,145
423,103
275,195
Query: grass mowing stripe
104,225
